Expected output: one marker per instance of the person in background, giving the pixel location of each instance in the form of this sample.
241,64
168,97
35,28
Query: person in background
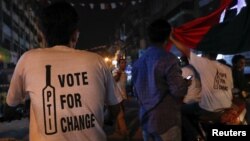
67,90
159,87
216,90
241,87
240,82
120,77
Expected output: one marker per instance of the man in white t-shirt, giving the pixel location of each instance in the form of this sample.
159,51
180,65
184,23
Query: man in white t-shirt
216,79
217,82
120,77
67,90
216,91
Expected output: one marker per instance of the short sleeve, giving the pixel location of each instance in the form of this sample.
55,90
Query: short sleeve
16,92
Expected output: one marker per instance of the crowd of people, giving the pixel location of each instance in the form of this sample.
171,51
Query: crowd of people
68,93
210,92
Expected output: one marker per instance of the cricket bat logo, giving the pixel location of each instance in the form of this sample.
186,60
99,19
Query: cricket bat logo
49,105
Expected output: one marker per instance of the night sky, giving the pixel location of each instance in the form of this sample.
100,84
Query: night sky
97,27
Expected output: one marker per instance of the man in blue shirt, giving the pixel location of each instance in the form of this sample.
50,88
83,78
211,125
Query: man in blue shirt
159,87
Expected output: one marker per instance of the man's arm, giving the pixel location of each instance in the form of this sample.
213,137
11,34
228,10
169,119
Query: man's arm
177,85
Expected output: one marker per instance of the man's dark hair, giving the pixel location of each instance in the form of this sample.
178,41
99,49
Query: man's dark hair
58,22
210,55
159,31
237,58
222,61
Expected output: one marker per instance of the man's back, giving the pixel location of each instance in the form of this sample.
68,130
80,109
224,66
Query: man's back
150,73
157,80
67,93
68,88
217,83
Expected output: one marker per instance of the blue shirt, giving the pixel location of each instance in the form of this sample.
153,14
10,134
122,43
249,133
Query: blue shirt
159,87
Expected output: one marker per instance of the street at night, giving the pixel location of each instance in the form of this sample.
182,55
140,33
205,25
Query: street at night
125,70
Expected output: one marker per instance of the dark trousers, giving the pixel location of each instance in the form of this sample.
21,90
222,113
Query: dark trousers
192,116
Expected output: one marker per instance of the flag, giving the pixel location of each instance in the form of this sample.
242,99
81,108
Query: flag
229,37
208,34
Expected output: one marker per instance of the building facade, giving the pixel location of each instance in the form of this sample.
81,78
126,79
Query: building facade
18,29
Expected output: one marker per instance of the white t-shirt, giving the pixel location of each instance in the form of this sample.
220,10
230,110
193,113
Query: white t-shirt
121,83
216,81
193,93
70,107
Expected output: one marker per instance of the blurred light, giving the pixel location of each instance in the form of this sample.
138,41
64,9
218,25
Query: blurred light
91,5
133,2
114,62
113,5
106,59
82,4
199,55
220,56
102,5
